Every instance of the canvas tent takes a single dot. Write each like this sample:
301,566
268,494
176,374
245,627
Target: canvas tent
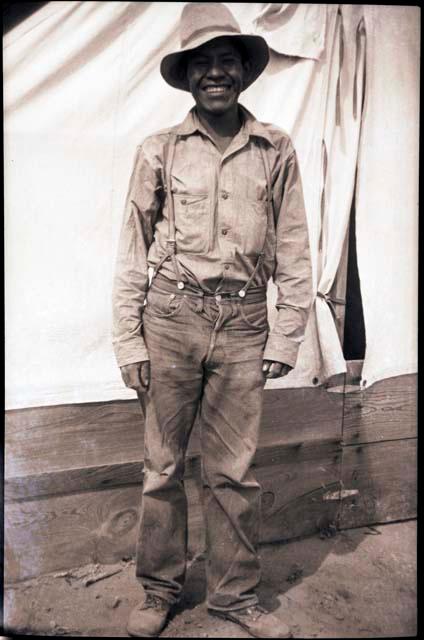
82,89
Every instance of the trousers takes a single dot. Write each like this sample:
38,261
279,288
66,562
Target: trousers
206,361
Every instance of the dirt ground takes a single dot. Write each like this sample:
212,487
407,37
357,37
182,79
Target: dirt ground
359,583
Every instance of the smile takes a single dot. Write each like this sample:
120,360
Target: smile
216,90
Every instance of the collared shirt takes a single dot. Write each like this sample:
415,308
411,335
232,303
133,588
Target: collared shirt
222,224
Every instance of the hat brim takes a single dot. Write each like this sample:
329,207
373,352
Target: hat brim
255,46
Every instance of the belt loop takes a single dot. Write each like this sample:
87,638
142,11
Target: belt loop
199,303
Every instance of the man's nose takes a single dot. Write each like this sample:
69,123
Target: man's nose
215,70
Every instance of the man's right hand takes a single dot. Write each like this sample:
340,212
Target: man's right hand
137,376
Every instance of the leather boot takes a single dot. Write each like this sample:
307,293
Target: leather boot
149,617
257,621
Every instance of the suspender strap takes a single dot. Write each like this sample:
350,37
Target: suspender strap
171,241
171,210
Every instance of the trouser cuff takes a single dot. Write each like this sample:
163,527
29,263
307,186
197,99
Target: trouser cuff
251,602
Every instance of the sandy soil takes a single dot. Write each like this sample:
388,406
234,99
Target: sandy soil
359,583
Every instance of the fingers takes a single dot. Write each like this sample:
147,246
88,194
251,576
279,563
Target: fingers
145,374
285,370
136,376
275,369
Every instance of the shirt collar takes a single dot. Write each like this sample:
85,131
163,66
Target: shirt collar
250,125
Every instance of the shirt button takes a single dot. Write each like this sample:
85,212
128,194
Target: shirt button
183,201
224,195
227,266
224,232
218,298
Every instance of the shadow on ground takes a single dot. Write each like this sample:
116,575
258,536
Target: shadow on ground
361,583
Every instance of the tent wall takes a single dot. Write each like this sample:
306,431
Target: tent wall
82,89
387,192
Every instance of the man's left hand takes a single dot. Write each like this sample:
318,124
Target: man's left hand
272,369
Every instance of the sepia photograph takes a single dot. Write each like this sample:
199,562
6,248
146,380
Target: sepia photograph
211,319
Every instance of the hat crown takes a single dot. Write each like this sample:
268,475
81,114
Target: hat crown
198,18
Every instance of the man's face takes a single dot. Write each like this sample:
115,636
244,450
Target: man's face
215,73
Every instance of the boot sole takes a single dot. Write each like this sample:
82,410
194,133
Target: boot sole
143,635
229,618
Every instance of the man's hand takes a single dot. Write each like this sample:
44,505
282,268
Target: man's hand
272,369
137,376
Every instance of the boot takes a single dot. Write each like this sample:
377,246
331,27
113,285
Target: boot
257,621
148,618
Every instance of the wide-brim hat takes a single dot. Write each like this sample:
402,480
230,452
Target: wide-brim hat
201,22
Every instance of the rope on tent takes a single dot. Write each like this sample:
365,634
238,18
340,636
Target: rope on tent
331,301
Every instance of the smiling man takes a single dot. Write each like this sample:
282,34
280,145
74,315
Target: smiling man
215,208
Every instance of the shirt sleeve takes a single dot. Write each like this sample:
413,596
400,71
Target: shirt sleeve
292,274
131,279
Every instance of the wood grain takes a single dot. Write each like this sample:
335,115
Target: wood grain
59,532
72,436
74,473
385,411
73,480
293,486
385,475
80,447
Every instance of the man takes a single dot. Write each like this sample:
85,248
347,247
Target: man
215,207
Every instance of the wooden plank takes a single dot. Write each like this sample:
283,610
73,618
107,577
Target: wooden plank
73,480
63,531
72,436
293,490
292,416
385,411
48,447
59,532
385,476
111,476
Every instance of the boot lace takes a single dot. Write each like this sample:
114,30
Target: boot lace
153,602
254,612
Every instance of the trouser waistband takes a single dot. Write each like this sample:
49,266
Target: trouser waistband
253,294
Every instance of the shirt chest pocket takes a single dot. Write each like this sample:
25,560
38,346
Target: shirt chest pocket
192,223
249,187
251,226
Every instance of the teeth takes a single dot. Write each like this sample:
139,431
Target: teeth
216,89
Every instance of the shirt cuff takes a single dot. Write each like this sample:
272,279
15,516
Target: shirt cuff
279,348
131,352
